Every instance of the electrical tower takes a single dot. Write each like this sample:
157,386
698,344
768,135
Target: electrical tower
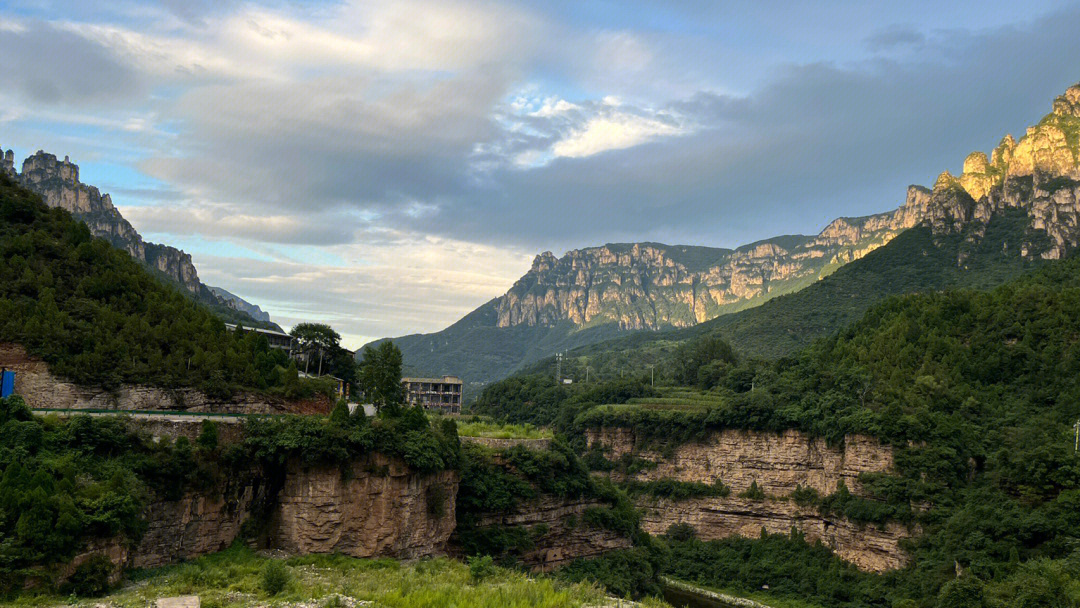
558,368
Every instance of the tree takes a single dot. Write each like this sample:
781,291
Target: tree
380,377
316,338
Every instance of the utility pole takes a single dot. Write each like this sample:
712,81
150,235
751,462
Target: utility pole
1077,427
652,375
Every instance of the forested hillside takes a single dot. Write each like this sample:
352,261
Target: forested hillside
978,391
100,318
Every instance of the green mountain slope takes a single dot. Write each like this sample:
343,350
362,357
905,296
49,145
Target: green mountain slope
98,317
915,261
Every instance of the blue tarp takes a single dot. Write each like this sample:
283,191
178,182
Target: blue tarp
7,384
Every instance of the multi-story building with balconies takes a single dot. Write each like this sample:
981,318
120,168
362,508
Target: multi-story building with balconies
438,394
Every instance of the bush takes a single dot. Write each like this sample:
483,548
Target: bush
275,577
481,567
91,578
753,492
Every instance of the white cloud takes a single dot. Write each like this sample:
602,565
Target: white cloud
614,132
395,280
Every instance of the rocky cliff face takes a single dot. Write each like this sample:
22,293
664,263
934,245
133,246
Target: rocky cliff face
379,508
57,182
237,303
590,295
778,464
870,548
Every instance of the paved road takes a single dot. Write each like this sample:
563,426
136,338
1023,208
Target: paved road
143,415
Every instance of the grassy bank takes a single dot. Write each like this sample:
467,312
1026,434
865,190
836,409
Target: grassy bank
237,578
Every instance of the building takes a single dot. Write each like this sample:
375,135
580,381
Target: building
276,339
439,394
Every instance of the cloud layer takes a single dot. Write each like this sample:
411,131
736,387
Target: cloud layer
389,165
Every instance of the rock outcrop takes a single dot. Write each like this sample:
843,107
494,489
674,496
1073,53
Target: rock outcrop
778,464
588,295
237,303
378,508
650,286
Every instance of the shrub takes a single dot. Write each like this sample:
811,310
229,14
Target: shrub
753,492
208,436
275,577
481,567
91,578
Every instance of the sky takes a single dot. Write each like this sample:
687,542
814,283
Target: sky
387,166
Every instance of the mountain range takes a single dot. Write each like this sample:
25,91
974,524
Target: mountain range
57,182
1003,213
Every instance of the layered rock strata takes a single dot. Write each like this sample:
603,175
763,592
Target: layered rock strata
650,286
778,463
378,507
869,547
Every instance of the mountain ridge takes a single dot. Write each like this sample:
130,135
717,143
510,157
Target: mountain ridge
623,287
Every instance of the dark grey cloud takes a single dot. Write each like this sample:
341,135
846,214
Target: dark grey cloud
48,64
815,142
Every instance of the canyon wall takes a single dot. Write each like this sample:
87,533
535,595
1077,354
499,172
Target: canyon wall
778,463
379,508
566,536
41,389
376,507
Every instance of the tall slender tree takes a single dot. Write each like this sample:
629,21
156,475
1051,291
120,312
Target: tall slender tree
380,377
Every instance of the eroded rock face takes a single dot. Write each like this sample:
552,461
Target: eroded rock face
196,524
41,389
379,507
778,463
867,546
566,537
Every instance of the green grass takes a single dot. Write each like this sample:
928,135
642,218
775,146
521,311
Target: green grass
477,426
232,579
